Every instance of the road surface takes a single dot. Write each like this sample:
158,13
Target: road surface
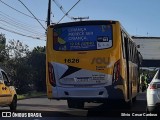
59,109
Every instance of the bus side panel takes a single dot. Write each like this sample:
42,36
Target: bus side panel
48,50
125,66
117,54
130,67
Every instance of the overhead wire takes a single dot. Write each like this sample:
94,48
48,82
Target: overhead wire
38,20
18,21
65,13
13,28
32,14
18,10
18,25
62,9
12,25
20,33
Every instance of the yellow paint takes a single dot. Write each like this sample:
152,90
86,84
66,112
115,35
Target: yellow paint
95,60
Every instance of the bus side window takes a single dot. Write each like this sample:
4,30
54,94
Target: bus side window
137,57
135,54
123,44
132,57
126,43
129,49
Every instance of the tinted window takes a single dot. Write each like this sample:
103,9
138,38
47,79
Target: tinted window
158,85
5,78
123,45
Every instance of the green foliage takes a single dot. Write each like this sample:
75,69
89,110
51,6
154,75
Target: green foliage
30,95
3,52
17,49
26,68
2,41
37,60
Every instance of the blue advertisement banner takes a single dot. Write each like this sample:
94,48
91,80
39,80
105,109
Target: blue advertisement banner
83,38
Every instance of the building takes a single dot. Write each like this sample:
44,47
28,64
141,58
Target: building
149,47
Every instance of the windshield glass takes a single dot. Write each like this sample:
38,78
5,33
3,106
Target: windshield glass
79,38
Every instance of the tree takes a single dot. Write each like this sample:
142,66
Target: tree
17,65
37,60
2,41
3,52
17,49
26,68
20,72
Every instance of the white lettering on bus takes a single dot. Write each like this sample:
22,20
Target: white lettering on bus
76,29
75,33
77,38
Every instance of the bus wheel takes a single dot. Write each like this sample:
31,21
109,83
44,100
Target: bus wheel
134,99
75,104
129,104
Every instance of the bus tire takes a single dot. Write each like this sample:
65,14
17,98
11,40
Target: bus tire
129,104
153,109
80,105
134,99
75,104
70,104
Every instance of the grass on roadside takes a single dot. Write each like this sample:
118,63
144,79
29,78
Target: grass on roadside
30,95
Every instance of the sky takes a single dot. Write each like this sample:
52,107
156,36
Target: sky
138,17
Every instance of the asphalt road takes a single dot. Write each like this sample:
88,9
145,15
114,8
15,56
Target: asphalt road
49,109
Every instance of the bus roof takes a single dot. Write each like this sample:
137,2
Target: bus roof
88,22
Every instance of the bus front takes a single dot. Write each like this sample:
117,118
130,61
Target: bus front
81,58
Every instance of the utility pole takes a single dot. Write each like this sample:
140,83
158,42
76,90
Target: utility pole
49,13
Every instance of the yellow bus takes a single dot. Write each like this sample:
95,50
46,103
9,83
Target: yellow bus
90,61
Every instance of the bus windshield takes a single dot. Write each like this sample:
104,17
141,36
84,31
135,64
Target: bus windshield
81,38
